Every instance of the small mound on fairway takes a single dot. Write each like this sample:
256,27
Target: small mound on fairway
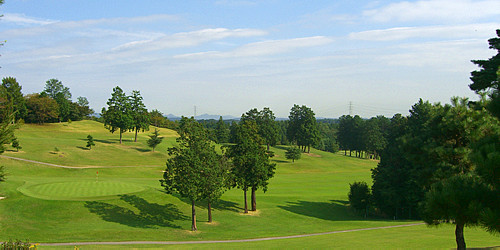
81,190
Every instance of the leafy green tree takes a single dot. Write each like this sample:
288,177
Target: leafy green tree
268,129
118,116
156,118
139,113
54,87
222,131
41,109
7,128
251,165
154,139
16,145
189,168
359,196
90,142
487,78
83,107
293,153
302,127
457,200
12,98
266,124
345,133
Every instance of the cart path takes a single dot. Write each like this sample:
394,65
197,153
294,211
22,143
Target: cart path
219,241
61,166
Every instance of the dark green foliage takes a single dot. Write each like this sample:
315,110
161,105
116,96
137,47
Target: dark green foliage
251,165
486,156
222,131
16,145
118,116
16,245
139,113
90,142
487,78
7,128
12,99
293,153
154,139
457,200
41,109
266,125
328,135
359,195
302,127
194,169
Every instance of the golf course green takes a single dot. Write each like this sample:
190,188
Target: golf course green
50,204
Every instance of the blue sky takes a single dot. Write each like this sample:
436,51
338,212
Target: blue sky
226,57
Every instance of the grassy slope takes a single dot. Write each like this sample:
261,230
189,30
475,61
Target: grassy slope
305,197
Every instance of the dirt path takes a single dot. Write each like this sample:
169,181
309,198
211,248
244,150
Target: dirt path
218,241
60,166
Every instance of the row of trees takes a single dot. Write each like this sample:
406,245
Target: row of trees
359,135
53,104
197,172
125,113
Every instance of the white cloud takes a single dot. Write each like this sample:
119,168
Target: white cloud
435,10
188,39
400,33
22,19
265,48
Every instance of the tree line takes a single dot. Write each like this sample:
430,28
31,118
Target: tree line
53,104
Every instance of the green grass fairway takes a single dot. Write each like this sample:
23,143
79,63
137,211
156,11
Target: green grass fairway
51,204
79,190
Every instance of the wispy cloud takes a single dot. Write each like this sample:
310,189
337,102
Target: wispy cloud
449,32
435,10
22,19
265,48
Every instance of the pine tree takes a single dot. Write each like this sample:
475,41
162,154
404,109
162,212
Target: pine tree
90,142
155,139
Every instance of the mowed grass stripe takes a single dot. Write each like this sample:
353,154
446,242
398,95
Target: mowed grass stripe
79,189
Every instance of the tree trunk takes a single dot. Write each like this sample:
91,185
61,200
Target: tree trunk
121,136
135,140
209,211
459,235
308,149
193,217
254,202
350,152
245,197
345,152
268,147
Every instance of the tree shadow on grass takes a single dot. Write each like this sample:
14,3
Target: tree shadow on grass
150,215
219,204
334,210
143,150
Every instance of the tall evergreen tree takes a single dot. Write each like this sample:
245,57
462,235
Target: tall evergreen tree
487,79
118,116
12,98
139,112
222,131
154,139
